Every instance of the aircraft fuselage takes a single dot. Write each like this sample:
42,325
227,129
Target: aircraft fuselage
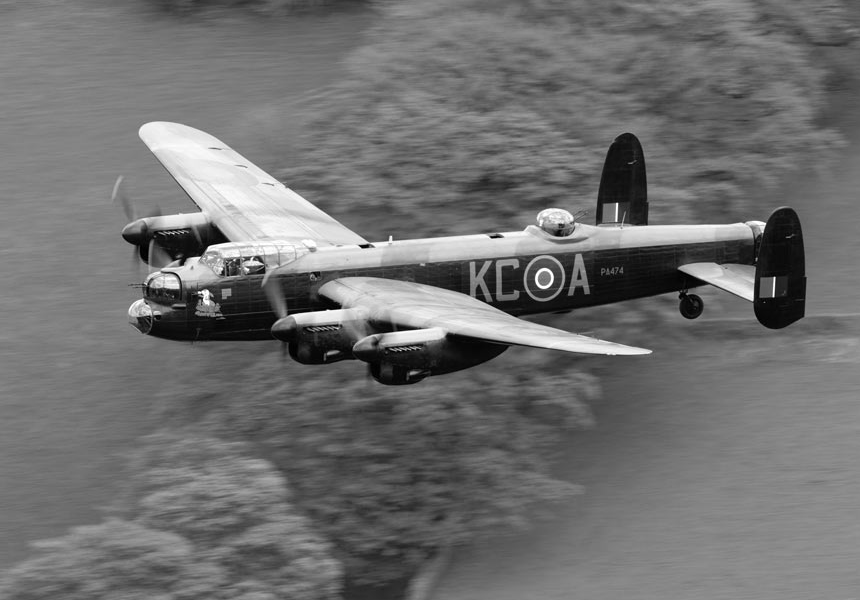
521,273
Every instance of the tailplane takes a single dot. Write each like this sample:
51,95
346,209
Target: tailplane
780,274
623,195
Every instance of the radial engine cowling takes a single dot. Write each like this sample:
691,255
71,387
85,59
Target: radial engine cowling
403,357
323,336
177,236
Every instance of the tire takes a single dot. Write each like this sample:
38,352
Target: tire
691,306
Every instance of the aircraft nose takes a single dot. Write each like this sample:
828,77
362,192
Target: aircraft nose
140,316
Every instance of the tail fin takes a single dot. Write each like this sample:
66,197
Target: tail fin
780,274
623,194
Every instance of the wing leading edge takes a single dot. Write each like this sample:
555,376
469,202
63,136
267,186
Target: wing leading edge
244,202
407,305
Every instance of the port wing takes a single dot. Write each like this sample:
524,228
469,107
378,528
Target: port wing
243,201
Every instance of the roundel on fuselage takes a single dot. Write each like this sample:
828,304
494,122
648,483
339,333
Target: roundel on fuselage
543,278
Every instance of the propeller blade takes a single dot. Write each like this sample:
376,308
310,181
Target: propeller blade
197,237
275,293
357,330
118,196
135,259
158,256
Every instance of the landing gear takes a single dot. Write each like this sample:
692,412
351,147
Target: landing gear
691,305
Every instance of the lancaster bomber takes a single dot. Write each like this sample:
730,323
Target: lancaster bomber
260,262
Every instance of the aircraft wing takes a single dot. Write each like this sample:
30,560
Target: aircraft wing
733,278
239,198
408,305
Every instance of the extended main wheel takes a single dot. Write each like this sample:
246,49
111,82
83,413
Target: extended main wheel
691,306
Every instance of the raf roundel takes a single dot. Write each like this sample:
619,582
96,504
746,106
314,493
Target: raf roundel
544,278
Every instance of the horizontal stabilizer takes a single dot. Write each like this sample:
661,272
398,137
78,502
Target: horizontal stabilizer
623,194
780,276
735,279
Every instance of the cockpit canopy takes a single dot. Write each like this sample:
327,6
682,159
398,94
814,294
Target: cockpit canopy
249,258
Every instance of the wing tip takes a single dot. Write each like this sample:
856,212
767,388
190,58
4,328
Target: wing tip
632,351
597,346
152,125
615,349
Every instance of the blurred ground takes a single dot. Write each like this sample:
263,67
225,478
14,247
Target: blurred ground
723,467
77,80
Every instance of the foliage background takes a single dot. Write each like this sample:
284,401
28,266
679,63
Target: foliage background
459,116
485,112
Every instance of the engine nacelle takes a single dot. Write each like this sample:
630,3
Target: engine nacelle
180,236
389,374
402,357
321,337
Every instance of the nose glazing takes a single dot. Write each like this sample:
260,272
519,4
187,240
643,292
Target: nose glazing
140,316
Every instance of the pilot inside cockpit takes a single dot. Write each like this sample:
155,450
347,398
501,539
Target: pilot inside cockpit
233,267
253,266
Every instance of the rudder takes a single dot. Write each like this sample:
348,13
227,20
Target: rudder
623,193
780,274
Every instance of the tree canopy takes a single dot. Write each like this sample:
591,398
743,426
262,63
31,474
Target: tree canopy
392,476
200,519
481,112
114,559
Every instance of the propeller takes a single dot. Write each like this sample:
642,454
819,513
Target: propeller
152,254
118,195
273,286
275,293
158,256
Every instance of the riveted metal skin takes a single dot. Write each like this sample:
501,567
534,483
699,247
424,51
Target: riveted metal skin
522,273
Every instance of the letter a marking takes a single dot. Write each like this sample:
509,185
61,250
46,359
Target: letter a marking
579,277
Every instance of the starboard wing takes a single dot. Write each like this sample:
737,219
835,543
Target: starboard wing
733,278
408,305
239,198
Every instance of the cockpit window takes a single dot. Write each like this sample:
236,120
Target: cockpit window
164,288
242,258
214,261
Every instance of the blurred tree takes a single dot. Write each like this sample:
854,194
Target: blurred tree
394,475
818,22
421,157
115,559
201,520
725,106
235,511
265,7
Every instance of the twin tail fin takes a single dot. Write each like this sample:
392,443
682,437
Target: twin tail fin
780,274
623,195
